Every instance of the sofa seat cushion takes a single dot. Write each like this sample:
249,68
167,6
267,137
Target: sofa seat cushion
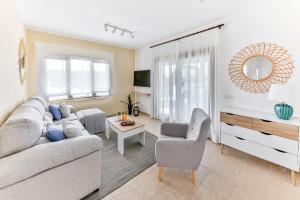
39,158
21,130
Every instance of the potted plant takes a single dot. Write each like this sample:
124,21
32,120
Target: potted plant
129,104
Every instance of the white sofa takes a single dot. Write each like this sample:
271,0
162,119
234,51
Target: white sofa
33,168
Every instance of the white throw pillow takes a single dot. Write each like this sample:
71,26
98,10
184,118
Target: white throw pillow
71,130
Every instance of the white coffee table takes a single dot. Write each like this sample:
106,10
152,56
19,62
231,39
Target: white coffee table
112,123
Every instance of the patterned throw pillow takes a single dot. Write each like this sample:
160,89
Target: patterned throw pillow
64,110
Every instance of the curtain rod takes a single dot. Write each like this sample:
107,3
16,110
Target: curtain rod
179,38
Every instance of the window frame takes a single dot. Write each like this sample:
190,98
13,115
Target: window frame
68,95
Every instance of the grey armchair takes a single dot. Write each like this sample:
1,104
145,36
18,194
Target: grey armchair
182,145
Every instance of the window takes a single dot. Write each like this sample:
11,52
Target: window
71,77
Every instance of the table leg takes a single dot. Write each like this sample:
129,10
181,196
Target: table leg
107,127
120,144
142,138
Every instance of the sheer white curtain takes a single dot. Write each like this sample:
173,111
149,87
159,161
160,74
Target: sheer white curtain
184,78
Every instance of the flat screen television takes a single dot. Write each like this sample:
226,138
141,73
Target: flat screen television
142,78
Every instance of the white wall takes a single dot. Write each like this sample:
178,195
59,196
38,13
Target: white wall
277,23
274,21
11,30
143,61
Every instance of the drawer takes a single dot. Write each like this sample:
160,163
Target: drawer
273,141
237,120
281,158
275,128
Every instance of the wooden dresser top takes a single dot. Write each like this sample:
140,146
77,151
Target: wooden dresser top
260,115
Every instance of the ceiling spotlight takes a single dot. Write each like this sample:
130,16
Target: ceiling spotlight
122,33
114,30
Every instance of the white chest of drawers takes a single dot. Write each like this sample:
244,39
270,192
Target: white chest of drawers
262,135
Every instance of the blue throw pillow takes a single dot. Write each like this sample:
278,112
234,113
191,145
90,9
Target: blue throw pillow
54,134
55,112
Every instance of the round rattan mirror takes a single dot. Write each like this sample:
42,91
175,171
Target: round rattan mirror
256,67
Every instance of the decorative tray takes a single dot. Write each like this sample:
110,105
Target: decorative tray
127,123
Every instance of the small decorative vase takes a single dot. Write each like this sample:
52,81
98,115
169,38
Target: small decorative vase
283,111
136,111
129,109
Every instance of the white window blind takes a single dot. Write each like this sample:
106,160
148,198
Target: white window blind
101,78
69,77
81,78
56,77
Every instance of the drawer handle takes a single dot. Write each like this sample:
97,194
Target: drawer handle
229,124
229,114
239,138
265,133
265,120
280,151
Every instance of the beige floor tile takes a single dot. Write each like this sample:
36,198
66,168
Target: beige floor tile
233,175
220,185
243,194
203,193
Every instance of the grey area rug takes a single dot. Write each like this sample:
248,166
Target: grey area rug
117,169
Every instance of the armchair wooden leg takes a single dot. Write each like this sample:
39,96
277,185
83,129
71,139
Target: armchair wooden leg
194,176
293,174
222,148
160,173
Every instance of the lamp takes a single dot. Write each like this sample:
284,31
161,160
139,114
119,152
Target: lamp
283,94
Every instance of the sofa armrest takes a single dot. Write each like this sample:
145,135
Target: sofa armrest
42,157
174,129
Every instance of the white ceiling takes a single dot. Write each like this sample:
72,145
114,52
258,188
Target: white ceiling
151,20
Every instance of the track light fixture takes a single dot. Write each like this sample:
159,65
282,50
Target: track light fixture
116,28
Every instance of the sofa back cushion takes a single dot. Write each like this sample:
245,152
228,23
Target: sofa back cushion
41,100
22,130
36,105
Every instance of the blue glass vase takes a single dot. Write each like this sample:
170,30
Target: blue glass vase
283,111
